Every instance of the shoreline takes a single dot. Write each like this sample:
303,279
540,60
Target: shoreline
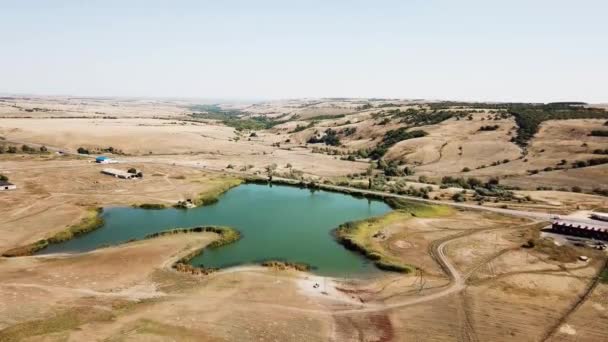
88,224
229,235
93,222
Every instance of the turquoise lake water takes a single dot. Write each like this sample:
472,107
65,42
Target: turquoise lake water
276,222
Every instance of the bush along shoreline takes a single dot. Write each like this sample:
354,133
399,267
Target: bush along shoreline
316,186
92,221
209,197
344,235
227,235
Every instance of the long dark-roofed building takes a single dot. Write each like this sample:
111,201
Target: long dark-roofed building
579,230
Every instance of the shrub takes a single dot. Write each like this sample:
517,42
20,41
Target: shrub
489,128
82,150
3,178
459,197
576,189
330,138
466,169
349,131
27,149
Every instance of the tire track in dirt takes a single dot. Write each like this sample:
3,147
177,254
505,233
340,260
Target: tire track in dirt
575,306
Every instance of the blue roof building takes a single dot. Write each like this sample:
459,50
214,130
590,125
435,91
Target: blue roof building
101,159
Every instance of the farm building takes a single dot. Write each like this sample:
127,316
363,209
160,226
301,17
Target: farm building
4,185
119,173
599,216
103,160
580,231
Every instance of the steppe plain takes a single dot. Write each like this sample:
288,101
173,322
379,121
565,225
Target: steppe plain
474,280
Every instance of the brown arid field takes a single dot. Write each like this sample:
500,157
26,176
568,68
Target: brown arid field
480,268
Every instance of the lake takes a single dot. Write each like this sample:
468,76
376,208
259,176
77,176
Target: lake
276,222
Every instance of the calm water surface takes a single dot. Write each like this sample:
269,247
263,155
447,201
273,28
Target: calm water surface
278,222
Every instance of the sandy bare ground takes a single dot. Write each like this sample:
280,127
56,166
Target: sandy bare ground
254,303
173,142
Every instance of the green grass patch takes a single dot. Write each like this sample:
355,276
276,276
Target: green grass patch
227,235
91,222
419,209
359,235
604,276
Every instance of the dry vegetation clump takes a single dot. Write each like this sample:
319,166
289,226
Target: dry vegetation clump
285,265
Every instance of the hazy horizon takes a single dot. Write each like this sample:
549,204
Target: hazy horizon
515,51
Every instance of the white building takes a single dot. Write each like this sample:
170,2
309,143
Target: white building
4,185
118,173
599,216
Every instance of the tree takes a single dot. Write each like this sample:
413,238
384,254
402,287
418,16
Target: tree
3,178
82,150
2,149
43,149
132,170
12,149
576,189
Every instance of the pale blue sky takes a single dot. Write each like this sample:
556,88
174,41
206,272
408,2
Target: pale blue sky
462,50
